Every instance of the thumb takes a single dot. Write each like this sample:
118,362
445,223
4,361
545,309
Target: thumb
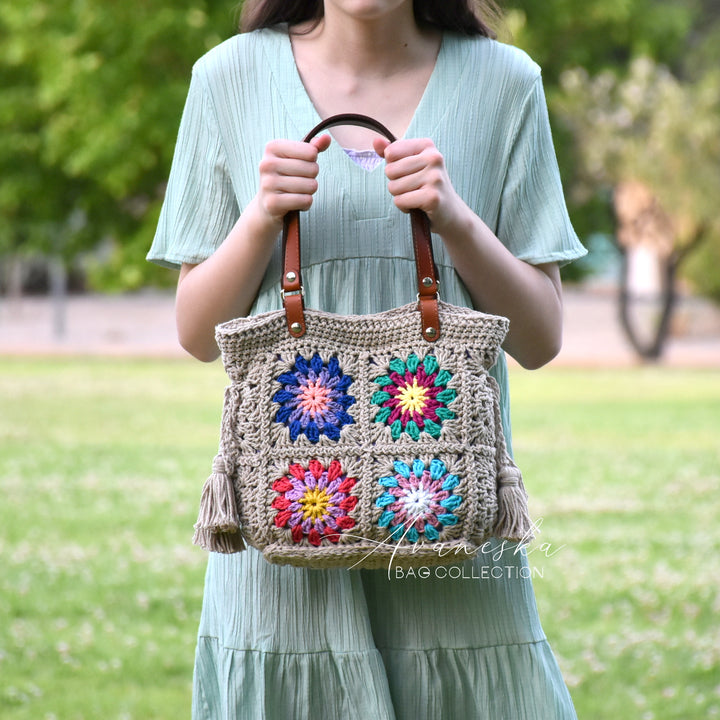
321,143
380,145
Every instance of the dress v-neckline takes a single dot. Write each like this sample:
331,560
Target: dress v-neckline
304,114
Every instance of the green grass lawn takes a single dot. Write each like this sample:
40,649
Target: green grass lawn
101,466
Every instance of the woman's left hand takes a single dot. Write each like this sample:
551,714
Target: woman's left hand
418,178
498,282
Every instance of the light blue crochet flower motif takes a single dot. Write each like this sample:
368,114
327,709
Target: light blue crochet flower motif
418,500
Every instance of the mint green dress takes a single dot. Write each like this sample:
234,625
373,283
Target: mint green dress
285,643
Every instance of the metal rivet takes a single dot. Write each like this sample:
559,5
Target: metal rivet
296,328
427,281
291,277
430,332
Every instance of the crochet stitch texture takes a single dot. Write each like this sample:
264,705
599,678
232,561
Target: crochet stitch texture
314,502
418,499
410,467
314,398
414,397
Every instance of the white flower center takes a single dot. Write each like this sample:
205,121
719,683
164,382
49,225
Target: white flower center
417,501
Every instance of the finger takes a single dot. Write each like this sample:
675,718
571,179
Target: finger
420,199
281,204
380,144
288,167
297,168
430,161
321,143
281,184
291,149
405,184
405,166
422,190
404,148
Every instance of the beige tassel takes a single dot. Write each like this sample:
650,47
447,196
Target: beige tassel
513,519
218,528
227,542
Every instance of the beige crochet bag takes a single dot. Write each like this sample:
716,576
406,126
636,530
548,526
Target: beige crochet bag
362,440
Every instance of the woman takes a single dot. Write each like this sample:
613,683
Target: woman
476,154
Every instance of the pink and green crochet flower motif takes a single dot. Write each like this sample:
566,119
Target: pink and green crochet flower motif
314,399
418,500
314,502
414,397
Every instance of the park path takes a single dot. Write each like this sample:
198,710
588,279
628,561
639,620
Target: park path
142,325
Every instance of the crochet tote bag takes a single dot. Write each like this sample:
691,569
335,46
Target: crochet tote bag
362,440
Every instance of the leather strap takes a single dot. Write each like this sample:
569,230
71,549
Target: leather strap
350,119
427,283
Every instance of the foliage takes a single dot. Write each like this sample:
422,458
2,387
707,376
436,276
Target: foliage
92,94
611,39
653,141
599,34
637,129
34,214
101,467
702,270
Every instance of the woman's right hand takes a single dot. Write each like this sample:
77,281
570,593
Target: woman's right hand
224,286
288,172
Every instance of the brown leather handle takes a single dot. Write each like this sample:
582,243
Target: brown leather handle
350,119
427,283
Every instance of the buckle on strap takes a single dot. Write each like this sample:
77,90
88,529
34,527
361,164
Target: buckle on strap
300,292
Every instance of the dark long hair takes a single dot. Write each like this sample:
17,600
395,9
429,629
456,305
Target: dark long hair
469,17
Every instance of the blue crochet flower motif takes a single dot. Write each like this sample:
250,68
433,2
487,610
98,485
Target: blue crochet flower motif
314,399
418,500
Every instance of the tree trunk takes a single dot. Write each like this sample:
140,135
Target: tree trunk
14,278
58,293
652,349
648,349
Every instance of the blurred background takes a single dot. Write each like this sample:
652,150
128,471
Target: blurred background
90,99
107,429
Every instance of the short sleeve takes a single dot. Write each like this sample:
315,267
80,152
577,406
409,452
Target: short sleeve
200,207
534,222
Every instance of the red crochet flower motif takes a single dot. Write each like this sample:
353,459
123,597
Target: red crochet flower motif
314,502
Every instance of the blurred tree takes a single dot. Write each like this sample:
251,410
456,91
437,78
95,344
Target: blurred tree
91,94
683,35
597,35
90,98
702,268
600,34
653,141
33,217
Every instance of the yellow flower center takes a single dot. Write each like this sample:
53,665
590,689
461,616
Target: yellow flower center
412,398
315,503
